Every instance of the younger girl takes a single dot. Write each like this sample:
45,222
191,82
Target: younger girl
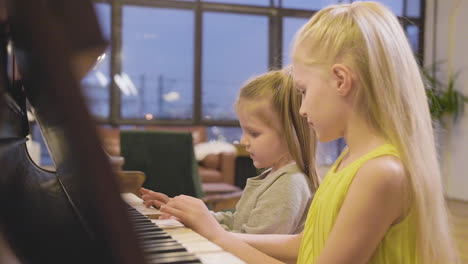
276,201
382,201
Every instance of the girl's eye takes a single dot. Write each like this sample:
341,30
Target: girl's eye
254,134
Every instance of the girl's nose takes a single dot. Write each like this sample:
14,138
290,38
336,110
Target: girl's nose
302,111
244,141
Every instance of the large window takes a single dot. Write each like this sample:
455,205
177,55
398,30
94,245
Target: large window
156,81
290,26
235,49
242,2
96,87
183,61
310,4
96,84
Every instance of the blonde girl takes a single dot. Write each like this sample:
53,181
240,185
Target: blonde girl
382,200
277,200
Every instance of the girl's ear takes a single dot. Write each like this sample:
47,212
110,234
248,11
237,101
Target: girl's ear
342,76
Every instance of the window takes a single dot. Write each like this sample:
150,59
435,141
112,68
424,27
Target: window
290,26
235,49
395,5
310,4
96,83
413,8
159,78
183,61
157,63
412,32
241,2
228,134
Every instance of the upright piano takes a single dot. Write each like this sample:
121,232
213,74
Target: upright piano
75,213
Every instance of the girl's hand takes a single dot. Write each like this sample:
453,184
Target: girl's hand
193,213
168,216
151,198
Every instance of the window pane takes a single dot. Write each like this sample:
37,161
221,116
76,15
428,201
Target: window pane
413,35
309,4
242,2
96,84
413,8
228,134
395,5
290,26
235,48
157,63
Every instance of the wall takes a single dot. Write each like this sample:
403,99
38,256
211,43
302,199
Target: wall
446,39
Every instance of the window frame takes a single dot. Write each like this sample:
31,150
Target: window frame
275,14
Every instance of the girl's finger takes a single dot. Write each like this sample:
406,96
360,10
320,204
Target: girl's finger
165,216
157,203
144,191
180,204
148,203
173,212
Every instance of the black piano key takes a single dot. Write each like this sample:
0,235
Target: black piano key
149,245
146,228
152,233
165,249
155,237
158,246
146,233
158,241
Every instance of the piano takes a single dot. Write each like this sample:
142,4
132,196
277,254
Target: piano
74,214
170,238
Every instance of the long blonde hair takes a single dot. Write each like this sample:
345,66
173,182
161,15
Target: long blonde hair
367,37
277,86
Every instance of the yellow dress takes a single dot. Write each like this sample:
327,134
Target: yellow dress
397,247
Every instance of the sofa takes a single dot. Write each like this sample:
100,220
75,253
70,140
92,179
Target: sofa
218,167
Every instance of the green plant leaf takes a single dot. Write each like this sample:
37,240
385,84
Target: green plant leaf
443,98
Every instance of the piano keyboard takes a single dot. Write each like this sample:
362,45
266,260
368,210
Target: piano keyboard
169,242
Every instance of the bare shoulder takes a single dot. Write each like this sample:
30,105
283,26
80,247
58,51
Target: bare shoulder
384,172
385,183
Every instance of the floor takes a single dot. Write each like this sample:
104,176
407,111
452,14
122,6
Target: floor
459,219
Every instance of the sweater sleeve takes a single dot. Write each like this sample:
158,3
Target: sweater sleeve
225,219
281,207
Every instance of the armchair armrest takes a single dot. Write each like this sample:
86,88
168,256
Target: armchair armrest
228,166
130,181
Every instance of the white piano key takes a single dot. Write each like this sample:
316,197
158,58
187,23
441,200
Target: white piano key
207,251
219,257
137,203
201,247
167,223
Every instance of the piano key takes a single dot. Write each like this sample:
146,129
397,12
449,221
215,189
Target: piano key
174,256
167,248
172,243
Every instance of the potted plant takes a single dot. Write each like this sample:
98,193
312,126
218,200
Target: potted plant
444,99
446,106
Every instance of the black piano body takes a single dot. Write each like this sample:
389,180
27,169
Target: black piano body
73,214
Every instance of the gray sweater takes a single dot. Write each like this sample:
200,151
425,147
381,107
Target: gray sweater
272,203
